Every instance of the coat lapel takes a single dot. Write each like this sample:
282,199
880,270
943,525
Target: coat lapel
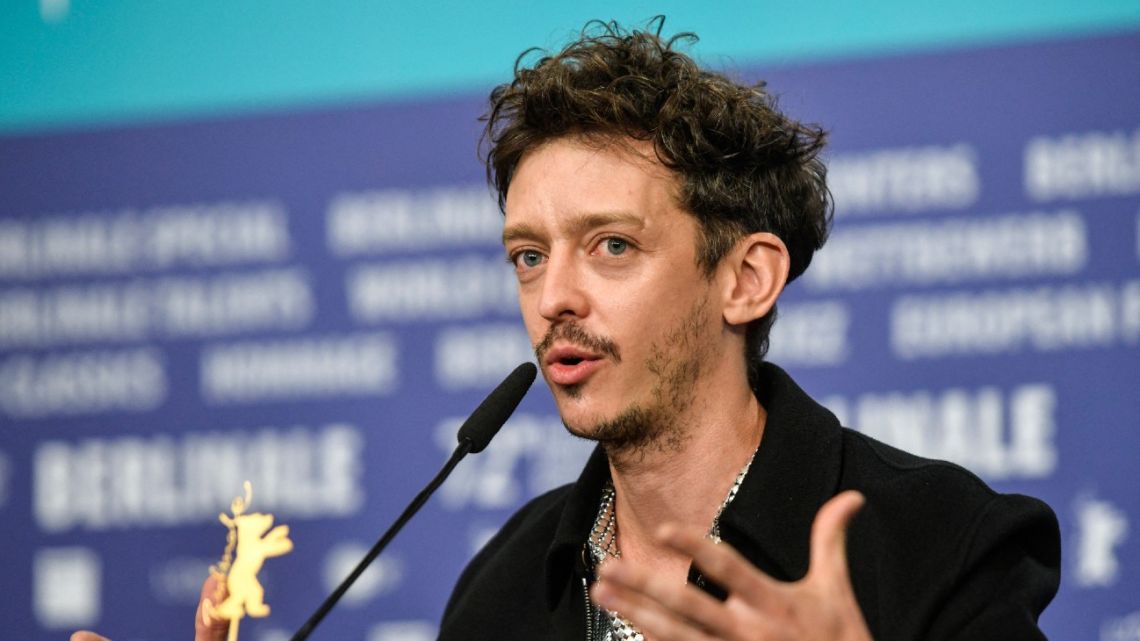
796,470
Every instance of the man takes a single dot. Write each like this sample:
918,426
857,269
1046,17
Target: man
653,214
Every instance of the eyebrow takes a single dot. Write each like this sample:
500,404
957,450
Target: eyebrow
574,226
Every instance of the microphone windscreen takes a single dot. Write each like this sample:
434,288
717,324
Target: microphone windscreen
485,421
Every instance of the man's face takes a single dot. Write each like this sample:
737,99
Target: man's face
623,320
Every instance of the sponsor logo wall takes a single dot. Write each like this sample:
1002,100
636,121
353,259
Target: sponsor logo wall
313,301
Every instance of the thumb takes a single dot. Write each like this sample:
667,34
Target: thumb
84,635
829,534
208,627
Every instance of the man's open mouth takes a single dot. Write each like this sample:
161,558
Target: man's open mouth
569,365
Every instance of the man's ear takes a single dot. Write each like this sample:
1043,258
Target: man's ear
756,272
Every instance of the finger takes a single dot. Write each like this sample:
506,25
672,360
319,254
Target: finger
685,602
650,616
207,627
829,534
719,562
85,635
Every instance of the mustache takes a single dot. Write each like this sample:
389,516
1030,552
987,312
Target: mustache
574,333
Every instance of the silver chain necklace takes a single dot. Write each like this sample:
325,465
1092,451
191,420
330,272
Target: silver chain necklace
603,544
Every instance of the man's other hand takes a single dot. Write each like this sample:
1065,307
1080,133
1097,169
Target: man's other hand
206,628
819,607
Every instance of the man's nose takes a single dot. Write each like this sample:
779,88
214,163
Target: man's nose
563,295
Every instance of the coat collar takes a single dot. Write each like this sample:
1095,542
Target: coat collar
795,471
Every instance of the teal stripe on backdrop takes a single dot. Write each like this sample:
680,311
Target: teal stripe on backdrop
82,62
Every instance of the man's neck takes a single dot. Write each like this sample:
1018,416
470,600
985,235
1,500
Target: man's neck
686,482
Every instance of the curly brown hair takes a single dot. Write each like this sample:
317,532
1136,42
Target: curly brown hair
744,167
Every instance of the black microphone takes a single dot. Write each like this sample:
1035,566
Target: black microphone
474,435
486,420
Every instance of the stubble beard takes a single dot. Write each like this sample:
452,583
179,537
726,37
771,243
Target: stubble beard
658,423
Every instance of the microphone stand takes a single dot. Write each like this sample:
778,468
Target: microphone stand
461,451
474,435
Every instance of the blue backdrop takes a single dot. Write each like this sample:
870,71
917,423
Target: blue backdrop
312,300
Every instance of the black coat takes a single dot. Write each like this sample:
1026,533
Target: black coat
934,554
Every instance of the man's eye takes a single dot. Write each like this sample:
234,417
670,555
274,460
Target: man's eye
528,259
616,246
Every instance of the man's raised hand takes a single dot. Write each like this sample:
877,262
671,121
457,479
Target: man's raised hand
819,607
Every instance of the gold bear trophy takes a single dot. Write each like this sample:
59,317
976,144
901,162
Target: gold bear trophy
249,542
